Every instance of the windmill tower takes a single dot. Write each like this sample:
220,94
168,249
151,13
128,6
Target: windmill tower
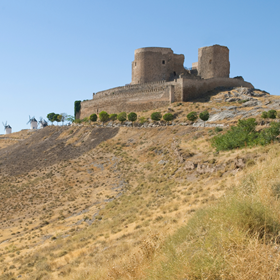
7,128
33,123
43,123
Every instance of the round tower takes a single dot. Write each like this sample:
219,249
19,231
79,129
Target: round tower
213,62
155,64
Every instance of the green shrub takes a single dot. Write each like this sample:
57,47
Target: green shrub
122,117
103,116
93,117
264,115
268,135
132,117
156,116
245,134
272,114
86,119
242,101
192,116
168,117
113,117
142,120
77,121
218,129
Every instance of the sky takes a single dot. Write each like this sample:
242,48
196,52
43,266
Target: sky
54,52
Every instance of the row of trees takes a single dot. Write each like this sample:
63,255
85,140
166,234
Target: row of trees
155,116
104,117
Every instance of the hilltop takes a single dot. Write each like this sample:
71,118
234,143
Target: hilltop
93,202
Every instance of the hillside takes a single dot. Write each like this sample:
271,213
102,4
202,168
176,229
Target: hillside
92,202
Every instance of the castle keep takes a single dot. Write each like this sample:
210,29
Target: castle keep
159,78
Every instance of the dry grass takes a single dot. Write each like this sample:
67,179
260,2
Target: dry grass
108,213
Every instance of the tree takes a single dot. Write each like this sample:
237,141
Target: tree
122,117
192,116
93,117
272,114
64,116
264,115
103,116
57,118
204,116
50,117
156,116
113,117
70,118
132,117
168,117
77,107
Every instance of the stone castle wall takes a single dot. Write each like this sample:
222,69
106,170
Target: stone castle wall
132,98
136,98
196,88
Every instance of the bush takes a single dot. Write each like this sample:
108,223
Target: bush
156,116
132,117
168,117
77,121
93,117
113,117
270,134
272,114
218,129
142,120
122,117
86,119
192,116
245,134
264,115
103,116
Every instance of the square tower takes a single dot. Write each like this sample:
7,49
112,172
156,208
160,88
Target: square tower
213,62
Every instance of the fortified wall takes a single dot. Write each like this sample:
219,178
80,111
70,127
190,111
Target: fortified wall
159,78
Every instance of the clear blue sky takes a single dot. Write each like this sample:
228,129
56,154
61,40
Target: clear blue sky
54,52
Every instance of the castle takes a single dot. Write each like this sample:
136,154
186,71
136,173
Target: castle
159,78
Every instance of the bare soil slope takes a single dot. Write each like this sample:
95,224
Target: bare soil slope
48,146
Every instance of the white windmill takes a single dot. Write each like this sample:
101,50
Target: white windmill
43,123
7,128
33,123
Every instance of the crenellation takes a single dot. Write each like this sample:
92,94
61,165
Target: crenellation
160,78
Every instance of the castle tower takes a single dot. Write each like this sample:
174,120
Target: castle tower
156,64
213,62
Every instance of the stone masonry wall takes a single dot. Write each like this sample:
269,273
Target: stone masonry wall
129,99
196,88
135,98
